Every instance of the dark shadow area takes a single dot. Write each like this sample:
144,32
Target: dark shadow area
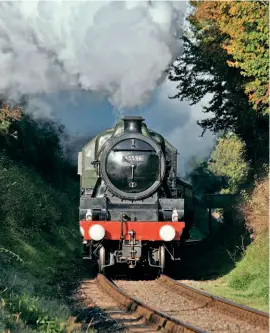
39,146
94,318
122,272
139,274
213,257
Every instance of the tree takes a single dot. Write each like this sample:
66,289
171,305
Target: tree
245,25
226,169
36,144
228,161
7,116
204,181
204,69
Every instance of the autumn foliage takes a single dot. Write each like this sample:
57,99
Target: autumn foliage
256,209
245,27
7,116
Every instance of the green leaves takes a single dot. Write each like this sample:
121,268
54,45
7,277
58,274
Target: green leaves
226,170
39,313
228,161
49,325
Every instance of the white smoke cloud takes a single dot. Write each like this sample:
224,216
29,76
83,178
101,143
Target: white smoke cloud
120,49
177,122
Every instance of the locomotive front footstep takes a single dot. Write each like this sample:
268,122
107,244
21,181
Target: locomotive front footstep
134,210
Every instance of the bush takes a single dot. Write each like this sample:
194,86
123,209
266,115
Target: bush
252,272
39,251
256,209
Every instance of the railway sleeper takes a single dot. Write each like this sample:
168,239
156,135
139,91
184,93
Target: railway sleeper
160,320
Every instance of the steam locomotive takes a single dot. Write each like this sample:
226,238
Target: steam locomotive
134,210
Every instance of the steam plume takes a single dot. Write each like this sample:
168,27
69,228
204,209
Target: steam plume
120,49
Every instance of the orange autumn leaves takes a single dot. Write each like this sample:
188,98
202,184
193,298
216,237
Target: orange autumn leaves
7,116
245,27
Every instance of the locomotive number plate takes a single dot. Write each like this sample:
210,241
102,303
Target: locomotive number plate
134,158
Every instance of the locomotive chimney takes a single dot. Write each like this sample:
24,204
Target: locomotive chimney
133,124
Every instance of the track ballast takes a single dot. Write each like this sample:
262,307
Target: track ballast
168,306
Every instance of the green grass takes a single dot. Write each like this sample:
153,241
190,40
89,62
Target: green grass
39,252
248,282
251,274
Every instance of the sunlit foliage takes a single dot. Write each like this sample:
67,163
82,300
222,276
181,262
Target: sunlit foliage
245,27
228,161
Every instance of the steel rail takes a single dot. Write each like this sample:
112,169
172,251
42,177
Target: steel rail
243,312
162,321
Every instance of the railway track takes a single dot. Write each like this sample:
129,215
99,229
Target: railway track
168,306
255,317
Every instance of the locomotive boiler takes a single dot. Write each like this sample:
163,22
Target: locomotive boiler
134,210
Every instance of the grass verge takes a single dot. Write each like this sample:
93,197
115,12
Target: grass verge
243,271
39,252
248,282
